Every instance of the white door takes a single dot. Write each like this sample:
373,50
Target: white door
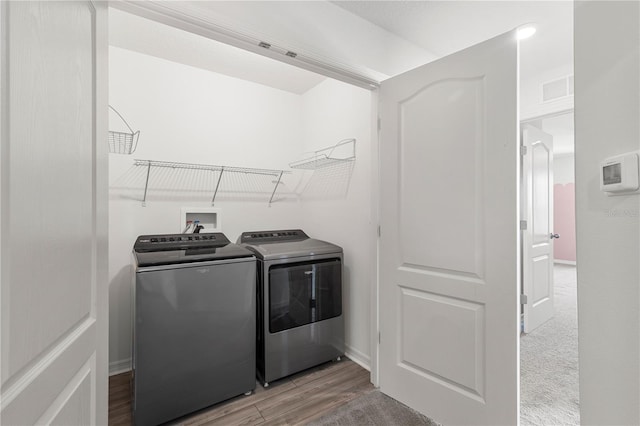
53,200
537,246
449,245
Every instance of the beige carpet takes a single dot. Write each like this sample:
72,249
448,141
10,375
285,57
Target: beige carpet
549,361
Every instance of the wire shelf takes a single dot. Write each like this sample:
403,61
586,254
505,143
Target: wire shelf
243,181
123,142
342,152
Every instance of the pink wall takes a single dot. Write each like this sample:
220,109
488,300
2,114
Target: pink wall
564,221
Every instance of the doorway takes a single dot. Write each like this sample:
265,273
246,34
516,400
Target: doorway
199,103
549,353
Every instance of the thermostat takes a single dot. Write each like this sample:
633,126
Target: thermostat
619,173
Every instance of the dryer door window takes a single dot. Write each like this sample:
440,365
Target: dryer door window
302,293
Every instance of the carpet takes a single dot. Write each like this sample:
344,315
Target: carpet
373,408
549,361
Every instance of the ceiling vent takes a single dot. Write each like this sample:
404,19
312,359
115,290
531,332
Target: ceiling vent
557,89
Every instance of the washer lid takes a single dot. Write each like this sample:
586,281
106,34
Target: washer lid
168,249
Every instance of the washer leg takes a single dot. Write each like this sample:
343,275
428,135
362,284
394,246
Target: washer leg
338,359
266,385
248,393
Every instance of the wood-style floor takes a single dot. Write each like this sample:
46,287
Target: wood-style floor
294,400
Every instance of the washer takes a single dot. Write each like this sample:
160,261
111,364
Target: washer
299,317
194,324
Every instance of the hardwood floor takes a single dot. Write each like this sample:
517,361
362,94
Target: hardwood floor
294,400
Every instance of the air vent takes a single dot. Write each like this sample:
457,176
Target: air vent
557,89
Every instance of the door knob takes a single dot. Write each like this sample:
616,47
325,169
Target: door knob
552,236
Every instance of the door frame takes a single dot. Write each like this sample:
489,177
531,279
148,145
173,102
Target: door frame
553,114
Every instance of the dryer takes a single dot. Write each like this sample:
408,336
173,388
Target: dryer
299,301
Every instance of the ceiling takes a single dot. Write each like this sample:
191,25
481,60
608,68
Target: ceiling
439,27
142,35
444,27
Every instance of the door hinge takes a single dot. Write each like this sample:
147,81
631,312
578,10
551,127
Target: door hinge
523,299
523,150
378,230
379,124
523,225
378,337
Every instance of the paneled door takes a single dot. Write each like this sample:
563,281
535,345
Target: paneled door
53,201
449,245
538,235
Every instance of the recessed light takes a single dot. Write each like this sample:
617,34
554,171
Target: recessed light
526,32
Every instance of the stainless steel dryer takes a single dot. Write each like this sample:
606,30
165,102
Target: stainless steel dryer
194,324
299,300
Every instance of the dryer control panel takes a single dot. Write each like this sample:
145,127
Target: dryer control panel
280,236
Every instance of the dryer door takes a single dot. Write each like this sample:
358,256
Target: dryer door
302,293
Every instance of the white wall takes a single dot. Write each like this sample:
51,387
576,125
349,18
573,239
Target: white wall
333,111
607,107
563,169
190,115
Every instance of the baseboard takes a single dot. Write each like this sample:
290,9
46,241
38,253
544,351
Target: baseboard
565,262
124,365
117,367
358,357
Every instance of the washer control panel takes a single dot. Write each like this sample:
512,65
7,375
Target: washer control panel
179,241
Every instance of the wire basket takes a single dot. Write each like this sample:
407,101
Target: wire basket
123,142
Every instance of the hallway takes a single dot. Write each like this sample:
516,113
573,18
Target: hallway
549,361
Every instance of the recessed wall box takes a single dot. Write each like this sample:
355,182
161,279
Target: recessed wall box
207,217
620,173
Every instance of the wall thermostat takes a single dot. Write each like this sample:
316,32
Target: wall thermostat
619,173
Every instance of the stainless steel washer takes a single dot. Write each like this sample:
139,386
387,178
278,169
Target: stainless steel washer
194,324
299,317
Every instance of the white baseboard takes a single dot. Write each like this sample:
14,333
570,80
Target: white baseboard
124,365
117,367
358,357
564,262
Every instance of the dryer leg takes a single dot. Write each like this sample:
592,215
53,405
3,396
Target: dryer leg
266,385
338,359
248,393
